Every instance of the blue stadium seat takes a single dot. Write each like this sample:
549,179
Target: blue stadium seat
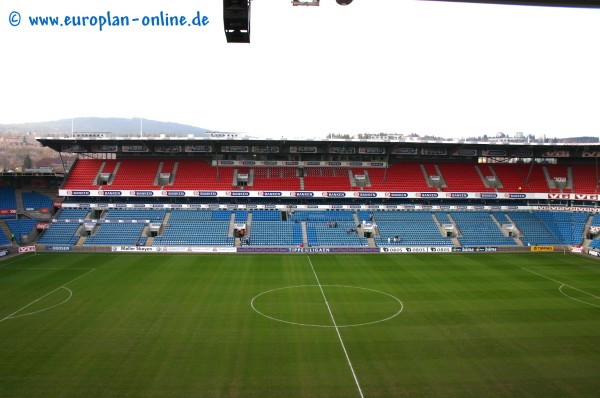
36,201
20,227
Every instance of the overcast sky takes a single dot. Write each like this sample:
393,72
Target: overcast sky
396,66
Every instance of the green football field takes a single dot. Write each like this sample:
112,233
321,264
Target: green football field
454,325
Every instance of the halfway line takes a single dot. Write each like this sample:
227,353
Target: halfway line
336,329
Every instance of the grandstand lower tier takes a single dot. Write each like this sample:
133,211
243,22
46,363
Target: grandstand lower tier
292,228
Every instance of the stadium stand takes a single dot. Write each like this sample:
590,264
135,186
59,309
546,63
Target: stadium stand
8,202
83,174
409,204
195,233
240,216
197,174
72,214
442,217
63,230
326,178
403,177
196,227
115,234
462,177
479,229
501,217
135,174
61,233
266,215
322,216
595,222
413,228
488,173
558,171
585,179
4,240
567,227
274,232
36,201
342,233
21,227
153,215
511,177
431,170
534,231
167,166
272,178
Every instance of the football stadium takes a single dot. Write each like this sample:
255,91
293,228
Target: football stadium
230,266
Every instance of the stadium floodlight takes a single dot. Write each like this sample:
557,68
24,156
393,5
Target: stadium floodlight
305,2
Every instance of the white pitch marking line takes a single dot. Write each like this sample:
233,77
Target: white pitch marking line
45,295
336,329
326,326
560,289
560,283
49,308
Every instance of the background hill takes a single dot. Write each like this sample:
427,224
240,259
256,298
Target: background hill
116,126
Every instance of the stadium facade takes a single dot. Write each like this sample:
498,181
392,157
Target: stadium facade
226,193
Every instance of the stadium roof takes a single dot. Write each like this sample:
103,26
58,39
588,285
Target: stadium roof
222,143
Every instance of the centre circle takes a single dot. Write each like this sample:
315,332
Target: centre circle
346,306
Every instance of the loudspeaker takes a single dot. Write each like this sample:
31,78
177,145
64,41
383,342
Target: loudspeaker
236,20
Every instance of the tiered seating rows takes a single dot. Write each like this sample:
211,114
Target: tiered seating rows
585,179
60,233
129,214
462,177
70,214
332,215
135,174
7,201
404,177
567,227
194,174
413,229
206,227
326,178
557,170
195,233
36,201
479,229
275,233
4,241
83,173
20,227
116,234
200,215
534,231
340,234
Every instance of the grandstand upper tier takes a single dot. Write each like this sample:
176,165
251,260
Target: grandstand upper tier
228,165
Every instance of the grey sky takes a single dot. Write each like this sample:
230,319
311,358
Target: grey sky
397,66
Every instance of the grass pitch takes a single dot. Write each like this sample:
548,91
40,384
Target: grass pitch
455,325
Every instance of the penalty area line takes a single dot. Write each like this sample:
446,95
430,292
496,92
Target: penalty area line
561,283
336,329
63,286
